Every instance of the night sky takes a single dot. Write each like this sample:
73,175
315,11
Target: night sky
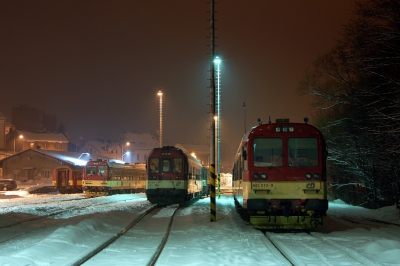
98,65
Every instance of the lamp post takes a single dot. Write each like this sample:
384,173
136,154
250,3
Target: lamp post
161,128
217,61
83,154
20,136
126,149
122,159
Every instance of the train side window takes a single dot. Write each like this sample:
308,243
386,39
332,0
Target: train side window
268,152
116,174
165,165
244,152
154,162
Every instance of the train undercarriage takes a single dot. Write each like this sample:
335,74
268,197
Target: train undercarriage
268,216
170,196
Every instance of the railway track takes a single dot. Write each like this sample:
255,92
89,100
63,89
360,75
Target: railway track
308,249
29,225
53,210
314,248
125,242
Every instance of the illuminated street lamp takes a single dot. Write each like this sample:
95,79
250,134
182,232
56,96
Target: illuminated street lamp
160,94
217,61
127,144
122,159
20,136
83,154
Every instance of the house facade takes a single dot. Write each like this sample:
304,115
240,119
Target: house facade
37,165
19,140
137,146
104,148
32,165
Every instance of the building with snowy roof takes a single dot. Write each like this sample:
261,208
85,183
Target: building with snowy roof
19,140
137,146
37,164
104,148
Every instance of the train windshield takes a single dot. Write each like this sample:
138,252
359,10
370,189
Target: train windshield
90,170
168,165
154,163
102,170
268,152
303,152
177,165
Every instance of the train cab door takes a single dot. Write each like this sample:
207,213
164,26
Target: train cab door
62,178
166,166
75,179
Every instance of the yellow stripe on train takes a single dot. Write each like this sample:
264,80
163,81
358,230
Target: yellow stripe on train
284,189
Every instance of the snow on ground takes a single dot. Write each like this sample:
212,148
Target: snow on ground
194,240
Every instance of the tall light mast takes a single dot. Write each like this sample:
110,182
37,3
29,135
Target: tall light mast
213,216
217,61
161,122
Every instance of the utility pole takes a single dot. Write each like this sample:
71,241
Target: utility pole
213,215
244,107
161,122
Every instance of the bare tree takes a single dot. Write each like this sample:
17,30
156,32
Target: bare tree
357,95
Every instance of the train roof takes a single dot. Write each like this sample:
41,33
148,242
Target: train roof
114,164
183,152
283,122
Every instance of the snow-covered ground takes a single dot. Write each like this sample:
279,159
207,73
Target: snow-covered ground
194,240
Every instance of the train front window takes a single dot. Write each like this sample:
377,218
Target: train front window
102,170
177,165
302,152
267,152
90,170
154,163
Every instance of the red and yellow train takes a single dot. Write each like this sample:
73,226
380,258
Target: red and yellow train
67,178
102,178
279,176
174,177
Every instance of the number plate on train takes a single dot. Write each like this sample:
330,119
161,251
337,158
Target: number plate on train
261,185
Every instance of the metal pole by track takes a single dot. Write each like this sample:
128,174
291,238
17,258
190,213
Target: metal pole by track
213,215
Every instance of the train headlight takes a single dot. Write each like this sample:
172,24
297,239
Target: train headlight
316,176
178,177
256,176
264,176
309,175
